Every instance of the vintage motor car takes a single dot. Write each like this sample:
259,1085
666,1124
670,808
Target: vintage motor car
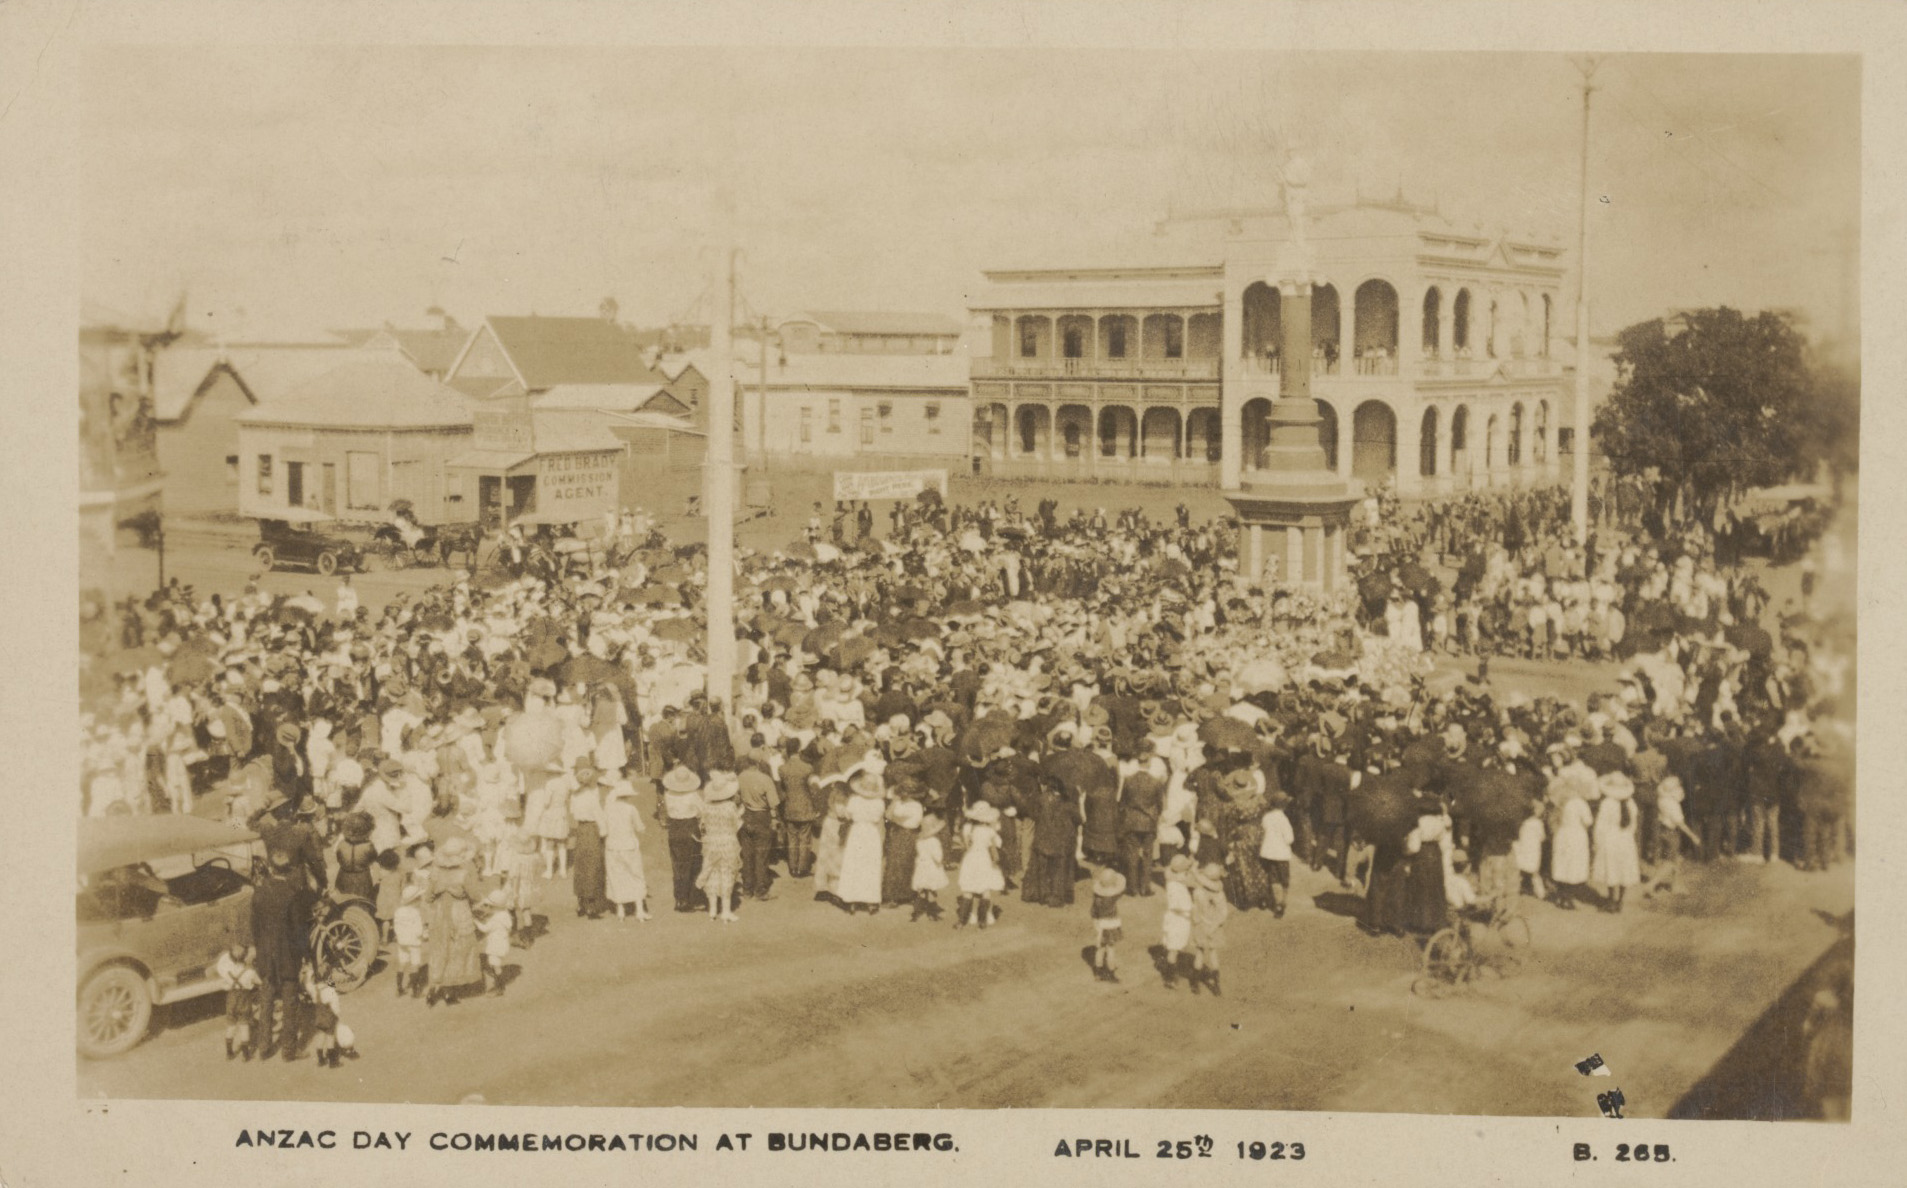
159,899
293,538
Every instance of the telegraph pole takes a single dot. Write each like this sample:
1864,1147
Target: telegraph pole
718,479
1579,457
759,444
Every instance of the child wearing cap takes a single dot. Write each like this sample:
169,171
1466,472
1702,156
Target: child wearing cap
407,929
494,926
930,869
1108,886
240,979
1209,911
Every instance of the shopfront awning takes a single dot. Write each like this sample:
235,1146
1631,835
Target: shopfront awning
493,461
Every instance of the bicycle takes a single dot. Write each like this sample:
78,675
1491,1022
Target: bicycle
1492,942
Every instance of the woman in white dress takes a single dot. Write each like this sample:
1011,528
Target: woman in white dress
860,884
627,883
1616,865
980,874
1569,845
1413,627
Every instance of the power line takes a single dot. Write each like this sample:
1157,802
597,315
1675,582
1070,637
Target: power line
1677,120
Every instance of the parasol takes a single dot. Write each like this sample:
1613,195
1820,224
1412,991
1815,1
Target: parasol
822,639
1264,675
780,581
1750,638
1489,797
1383,808
791,634
654,595
918,629
987,735
851,652
677,630
1227,734
189,666
966,610
532,741
587,670
671,575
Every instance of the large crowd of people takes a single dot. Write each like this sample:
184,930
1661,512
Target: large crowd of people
985,702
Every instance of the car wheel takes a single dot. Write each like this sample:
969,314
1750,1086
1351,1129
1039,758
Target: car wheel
346,946
424,555
264,556
114,1012
327,563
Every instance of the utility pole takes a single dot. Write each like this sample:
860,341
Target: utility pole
1579,457
718,475
759,444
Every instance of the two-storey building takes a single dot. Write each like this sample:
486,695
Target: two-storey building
1432,360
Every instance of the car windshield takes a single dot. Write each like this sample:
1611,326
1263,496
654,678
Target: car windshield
141,889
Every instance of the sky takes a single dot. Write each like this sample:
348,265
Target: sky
290,189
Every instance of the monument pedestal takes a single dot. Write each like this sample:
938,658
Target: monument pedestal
1294,536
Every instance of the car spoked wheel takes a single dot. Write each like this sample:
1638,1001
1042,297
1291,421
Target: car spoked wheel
114,1011
346,947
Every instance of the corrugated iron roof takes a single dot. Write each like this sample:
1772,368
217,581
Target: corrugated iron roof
614,397
880,322
570,431
1099,294
552,351
886,372
267,372
380,392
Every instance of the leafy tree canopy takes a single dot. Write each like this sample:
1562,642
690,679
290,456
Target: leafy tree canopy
1712,402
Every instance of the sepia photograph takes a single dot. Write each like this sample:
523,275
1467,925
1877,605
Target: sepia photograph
967,578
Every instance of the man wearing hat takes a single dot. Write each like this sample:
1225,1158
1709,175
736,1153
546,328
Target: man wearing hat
281,928
682,810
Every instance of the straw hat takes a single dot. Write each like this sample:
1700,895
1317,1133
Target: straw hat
1108,883
982,812
455,851
1211,876
681,779
908,814
722,786
1180,866
1615,786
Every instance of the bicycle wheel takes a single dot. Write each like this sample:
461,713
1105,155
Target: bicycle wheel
1447,956
1515,931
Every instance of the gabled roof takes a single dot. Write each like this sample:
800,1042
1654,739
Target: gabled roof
267,371
880,322
614,397
568,431
551,351
380,392
485,387
645,419
676,366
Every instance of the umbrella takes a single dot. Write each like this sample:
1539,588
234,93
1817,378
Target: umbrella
189,666
677,630
1265,675
780,581
1227,734
822,639
532,741
791,634
546,654
966,610
587,670
1490,797
1383,807
670,574
826,552
1750,638
802,550
916,629
654,596
850,653
987,735
888,635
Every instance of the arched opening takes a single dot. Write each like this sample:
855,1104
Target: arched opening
1164,336
1460,440
1035,430
1263,329
1204,336
1328,433
1324,330
993,422
1460,325
1118,337
1433,322
1515,450
1034,335
1520,330
1490,326
1492,439
1542,429
1118,432
1373,442
1254,432
1075,337
1159,434
1427,445
1549,313
1075,425
1375,326
1203,431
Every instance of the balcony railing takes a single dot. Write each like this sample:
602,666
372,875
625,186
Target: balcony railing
1141,369
1377,365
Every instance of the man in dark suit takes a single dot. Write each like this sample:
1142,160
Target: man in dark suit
281,931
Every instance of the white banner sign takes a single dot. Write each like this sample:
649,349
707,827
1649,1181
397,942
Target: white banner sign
851,485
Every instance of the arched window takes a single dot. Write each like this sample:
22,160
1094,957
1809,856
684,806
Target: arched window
1433,313
1460,322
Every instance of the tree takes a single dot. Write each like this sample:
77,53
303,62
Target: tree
1712,403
